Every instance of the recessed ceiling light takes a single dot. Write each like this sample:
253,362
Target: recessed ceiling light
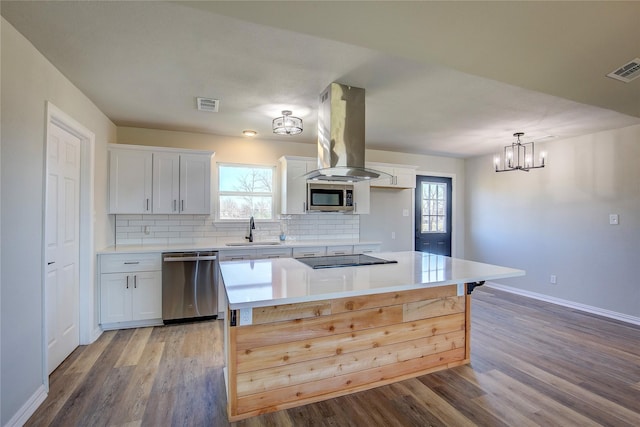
249,132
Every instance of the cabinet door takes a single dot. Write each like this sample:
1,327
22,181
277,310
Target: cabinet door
405,178
146,298
115,297
384,180
130,181
166,183
195,184
294,187
361,197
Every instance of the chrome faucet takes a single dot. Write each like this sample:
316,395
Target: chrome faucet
252,226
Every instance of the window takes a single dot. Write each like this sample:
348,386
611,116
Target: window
434,202
245,191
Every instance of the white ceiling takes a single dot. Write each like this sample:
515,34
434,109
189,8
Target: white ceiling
449,78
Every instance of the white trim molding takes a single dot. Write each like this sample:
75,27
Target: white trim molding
566,303
87,302
24,413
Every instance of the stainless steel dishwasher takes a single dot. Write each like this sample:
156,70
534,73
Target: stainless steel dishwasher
189,286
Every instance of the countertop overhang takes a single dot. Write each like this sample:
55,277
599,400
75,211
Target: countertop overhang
267,282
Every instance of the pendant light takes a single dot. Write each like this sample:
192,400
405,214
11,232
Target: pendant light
287,124
519,156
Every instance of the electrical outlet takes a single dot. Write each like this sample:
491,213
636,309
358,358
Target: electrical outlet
393,234
553,279
405,212
246,316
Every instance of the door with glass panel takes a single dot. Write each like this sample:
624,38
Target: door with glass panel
433,215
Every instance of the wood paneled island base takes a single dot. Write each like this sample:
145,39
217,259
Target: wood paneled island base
295,354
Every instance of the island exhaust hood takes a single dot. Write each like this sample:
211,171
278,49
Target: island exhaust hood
341,128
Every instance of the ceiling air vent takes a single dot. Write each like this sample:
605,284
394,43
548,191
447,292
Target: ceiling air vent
627,72
208,104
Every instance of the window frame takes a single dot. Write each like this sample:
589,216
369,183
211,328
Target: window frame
273,194
444,201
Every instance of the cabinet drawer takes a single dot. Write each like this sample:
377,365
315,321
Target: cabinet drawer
310,251
237,255
364,249
340,250
124,263
274,253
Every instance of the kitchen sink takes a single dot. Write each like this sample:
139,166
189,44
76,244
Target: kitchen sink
252,243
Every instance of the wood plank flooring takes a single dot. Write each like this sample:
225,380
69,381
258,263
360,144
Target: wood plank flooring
533,364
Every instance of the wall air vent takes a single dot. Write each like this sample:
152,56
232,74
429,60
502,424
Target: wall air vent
627,72
208,104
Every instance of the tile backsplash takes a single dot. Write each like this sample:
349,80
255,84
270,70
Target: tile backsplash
170,229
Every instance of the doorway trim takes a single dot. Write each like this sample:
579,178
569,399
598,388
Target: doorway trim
86,301
454,207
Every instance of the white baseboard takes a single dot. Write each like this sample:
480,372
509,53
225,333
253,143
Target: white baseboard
566,303
20,418
96,334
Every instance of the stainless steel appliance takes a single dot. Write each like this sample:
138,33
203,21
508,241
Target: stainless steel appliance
189,286
350,260
329,197
341,136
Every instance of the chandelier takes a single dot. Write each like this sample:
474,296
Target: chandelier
287,124
518,156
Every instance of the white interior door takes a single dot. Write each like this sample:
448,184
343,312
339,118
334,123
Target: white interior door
62,252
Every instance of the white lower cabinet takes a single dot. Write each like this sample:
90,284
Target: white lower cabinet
340,250
130,297
237,255
274,253
366,248
309,251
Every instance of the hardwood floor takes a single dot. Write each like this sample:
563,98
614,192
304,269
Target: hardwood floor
533,364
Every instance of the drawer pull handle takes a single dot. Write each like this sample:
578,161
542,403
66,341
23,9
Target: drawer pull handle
127,282
131,262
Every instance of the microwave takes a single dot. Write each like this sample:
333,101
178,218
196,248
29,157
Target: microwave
329,197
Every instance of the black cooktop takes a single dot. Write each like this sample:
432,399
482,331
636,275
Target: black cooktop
343,261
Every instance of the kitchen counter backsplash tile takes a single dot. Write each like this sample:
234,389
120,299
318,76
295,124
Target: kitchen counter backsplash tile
172,229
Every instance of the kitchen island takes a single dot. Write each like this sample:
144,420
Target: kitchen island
296,335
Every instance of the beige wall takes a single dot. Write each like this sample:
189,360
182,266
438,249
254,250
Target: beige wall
28,81
227,149
556,220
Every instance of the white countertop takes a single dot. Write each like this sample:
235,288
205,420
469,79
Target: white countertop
260,283
222,246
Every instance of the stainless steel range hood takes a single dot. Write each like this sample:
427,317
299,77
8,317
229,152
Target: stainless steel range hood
341,126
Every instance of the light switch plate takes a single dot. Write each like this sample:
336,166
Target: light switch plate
613,219
405,212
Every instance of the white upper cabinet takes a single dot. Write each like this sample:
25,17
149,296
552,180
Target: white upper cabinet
293,190
130,180
195,184
401,176
166,183
361,197
159,181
